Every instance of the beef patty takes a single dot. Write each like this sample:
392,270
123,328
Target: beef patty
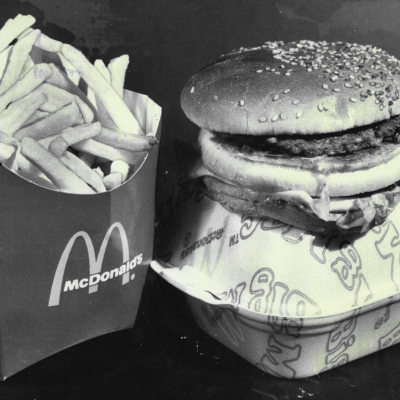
330,144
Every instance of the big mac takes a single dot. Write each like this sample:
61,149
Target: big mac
303,132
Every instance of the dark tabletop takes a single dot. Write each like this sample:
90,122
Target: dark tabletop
165,356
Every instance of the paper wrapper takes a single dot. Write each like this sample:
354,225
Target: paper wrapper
292,303
72,267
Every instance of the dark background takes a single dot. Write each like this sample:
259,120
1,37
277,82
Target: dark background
165,356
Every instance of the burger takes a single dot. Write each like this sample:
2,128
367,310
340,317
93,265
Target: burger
303,132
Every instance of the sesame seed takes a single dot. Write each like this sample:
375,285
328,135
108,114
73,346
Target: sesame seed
241,102
309,69
299,114
276,97
192,89
267,68
283,116
271,140
296,101
351,76
259,71
262,119
325,107
275,118
286,91
348,85
336,90
320,107
287,74
353,100
325,86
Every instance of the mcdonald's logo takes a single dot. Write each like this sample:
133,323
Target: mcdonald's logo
95,265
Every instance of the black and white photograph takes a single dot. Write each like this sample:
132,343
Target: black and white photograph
199,199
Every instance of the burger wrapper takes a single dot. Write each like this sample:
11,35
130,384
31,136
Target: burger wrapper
72,267
292,303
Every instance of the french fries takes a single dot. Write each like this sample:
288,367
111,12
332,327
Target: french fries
6,151
18,57
115,106
101,67
82,170
26,84
112,181
58,98
50,125
71,136
120,167
4,59
125,141
61,176
117,67
106,152
78,139
13,28
12,118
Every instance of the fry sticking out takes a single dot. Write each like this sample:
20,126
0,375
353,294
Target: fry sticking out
105,151
126,141
101,67
117,67
74,135
116,107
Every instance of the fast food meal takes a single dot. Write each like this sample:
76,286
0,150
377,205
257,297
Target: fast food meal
303,132
64,123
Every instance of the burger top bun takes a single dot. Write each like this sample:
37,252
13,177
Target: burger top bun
300,87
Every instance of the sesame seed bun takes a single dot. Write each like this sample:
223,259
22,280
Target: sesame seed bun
295,88
337,103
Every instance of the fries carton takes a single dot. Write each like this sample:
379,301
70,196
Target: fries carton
292,303
72,266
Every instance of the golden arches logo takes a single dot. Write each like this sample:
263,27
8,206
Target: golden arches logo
95,264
